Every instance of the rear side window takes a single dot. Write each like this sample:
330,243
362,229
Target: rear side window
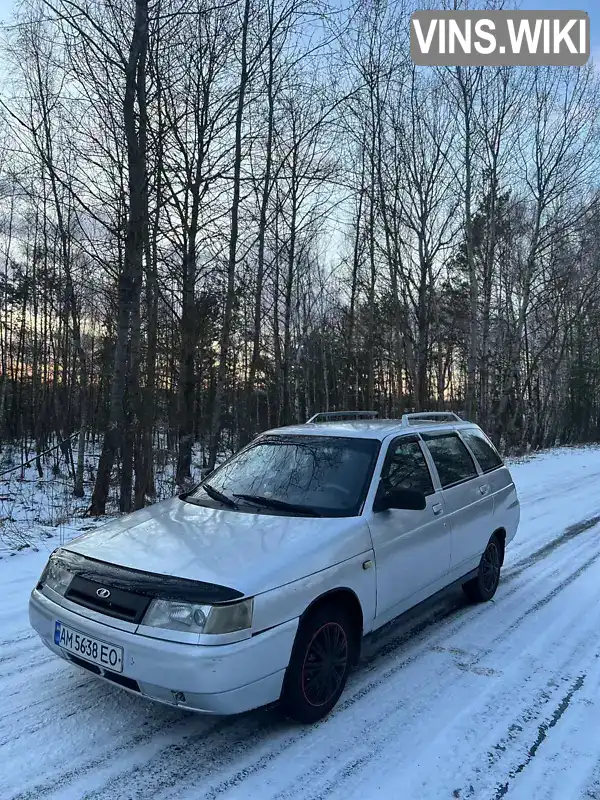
484,453
451,458
406,467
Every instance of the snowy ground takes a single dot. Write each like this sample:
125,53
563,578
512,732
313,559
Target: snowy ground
493,701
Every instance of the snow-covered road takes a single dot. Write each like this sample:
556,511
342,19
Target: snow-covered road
494,701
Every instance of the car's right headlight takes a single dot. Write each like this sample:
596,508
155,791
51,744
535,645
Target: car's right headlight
176,615
56,576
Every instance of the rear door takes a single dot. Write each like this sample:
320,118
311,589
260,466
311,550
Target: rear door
498,482
468,500
412,548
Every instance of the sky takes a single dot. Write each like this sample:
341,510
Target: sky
591,6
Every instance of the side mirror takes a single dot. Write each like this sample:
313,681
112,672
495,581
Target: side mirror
404,499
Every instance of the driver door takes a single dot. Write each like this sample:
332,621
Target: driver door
412,548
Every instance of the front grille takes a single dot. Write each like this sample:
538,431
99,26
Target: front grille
120,603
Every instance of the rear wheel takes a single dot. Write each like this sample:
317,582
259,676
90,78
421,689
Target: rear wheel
318,670
483,586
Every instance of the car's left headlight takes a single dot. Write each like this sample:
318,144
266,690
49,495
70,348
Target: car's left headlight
195,618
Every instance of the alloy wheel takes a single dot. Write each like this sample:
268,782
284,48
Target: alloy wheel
324,664
490,567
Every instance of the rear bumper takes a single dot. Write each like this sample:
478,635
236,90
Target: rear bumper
220,679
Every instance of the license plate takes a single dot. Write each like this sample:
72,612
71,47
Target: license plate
88,648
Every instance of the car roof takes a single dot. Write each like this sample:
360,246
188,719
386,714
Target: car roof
367,429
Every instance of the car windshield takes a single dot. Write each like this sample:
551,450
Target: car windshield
315,475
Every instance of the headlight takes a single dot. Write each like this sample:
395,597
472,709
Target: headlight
194,618
56,576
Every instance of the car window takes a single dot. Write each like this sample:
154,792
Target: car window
451,458
406,467
484,453
330,474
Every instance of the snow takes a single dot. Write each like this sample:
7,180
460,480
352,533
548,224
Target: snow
453,701
34,509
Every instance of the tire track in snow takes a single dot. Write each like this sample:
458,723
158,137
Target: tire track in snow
543,552
542,733
591,791
557,590
561,647
516,733
76,696
17,648
47,788
170,767
575,481
32,662
22,637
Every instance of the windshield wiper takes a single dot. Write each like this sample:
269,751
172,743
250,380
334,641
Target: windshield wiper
215,494
270,502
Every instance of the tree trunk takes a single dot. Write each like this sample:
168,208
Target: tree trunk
217,415
129,286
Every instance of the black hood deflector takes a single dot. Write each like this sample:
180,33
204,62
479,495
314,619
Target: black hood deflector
146,584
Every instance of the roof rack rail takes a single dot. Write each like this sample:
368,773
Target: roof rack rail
431,416
326,416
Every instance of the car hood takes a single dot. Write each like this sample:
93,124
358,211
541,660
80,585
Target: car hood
249,552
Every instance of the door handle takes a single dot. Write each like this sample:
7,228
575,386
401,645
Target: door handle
437,508
484,489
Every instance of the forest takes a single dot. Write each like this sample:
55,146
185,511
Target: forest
218,217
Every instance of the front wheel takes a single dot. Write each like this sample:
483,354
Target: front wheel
483,586
319,666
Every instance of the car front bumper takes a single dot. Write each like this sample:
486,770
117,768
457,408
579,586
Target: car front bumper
218,679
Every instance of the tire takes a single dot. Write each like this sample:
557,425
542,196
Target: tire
483,587
311,688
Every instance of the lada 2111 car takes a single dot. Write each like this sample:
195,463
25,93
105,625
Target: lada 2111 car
259,584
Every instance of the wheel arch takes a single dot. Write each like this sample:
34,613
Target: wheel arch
500,534
349,600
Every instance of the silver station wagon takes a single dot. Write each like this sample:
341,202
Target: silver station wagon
259,584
